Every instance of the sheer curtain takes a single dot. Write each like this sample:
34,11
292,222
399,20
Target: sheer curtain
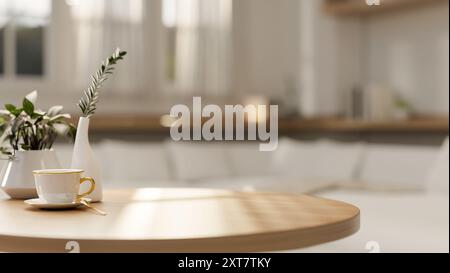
203,45
99,26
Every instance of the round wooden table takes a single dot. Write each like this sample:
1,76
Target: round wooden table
179,220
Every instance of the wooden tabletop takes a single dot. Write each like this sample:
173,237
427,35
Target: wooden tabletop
180,220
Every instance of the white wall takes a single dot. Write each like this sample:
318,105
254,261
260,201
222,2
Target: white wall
265,44
330,54
276,41
409,51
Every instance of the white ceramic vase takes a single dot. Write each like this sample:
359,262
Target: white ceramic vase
16,176
83,158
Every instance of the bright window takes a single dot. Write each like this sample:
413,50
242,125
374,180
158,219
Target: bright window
197,45
22,36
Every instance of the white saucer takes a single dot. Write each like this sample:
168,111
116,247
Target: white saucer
41,204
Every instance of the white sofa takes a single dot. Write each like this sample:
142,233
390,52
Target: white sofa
295,166
402,191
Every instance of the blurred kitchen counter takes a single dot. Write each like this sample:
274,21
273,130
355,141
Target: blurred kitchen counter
154,123
424,124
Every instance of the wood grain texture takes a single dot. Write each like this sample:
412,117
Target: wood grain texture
180,220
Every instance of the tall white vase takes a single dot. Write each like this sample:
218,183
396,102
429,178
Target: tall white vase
83,158
16,176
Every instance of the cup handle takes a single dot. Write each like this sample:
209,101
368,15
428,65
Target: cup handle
92,181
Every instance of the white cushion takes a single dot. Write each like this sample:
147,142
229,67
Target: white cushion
302,161
438,178
193,161
395,167
296,158
324,160
133,161
338,161
246,160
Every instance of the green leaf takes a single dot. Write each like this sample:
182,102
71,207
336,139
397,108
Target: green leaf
28,106
26,147
18,112
11,108
88,103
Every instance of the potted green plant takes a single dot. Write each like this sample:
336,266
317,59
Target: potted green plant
402,108
27,138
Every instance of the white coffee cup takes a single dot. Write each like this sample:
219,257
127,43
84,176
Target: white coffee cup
61,186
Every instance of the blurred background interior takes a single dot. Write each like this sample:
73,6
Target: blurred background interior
323,60
373,81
